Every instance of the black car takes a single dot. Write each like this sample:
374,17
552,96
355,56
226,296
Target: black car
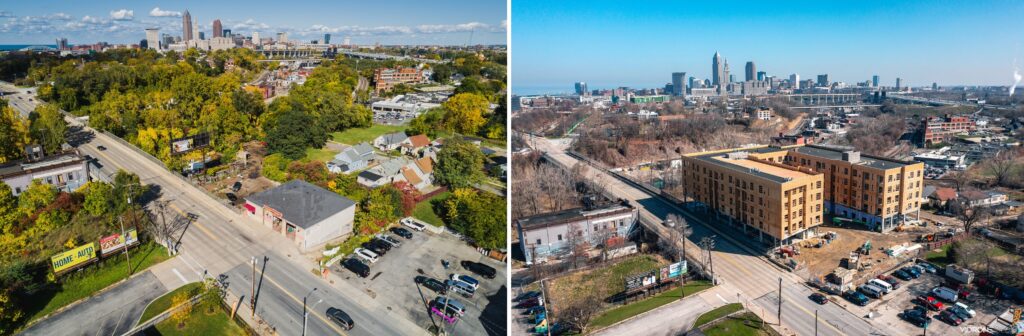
433,284
356,266
903,275
382,244
375,248
232,197
527,295
102,148
237,186
478,268
819,298
401,231
916,317
339,317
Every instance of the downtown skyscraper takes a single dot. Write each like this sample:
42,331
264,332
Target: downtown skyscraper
751,71
218,30
678,83
719,73
186,26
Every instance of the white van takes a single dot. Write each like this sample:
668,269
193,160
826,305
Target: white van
452,305
366,255
885,286
872,290
413,224
945,294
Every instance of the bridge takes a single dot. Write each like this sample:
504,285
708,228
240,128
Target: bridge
38,48
384,57
824,98
924,101
292,53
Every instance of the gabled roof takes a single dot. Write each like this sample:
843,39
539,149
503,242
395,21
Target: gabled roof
411,176
369,175
426,165
393,138
974,195
302,203
419,140
944,194
363,148
928,191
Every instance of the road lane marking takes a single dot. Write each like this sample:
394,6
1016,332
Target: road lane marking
313,312
721,298
182,277
826,324
196,223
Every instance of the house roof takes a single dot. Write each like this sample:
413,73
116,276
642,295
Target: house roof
393,138
974,195
363,148
411,176
419,140
928,191
944,194
369,175
390,167
426,165
302,203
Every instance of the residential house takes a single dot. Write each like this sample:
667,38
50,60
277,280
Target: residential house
391,141
352,159
983,198
307,214
415,144
66,171
940,196
417,172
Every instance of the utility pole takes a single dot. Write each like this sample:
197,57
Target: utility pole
125,246
815,322
252,294
780,303
305,314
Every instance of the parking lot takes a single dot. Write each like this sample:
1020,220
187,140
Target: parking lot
391,282
886,310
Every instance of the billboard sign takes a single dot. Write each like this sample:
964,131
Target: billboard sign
187,144
650,278
676,269
664,274
634,282
112,243
74,258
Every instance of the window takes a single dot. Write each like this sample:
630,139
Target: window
559,237
71,176
49,180
538,241
17,190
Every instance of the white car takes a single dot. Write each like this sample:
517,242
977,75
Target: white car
387,239
965,308
471,281
366,255
413,224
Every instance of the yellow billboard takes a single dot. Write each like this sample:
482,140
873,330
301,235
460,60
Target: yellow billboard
77,256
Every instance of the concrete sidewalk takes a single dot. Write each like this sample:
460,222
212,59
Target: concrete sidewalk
674,318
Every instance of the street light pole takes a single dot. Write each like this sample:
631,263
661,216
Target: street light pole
252,294
305,314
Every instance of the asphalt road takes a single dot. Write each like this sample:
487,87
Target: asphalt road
753,279
223,241
113,312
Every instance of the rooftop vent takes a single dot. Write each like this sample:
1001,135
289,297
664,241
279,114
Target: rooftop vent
737,155
851,156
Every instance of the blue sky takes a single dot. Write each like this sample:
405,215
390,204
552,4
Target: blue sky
639,44
367,22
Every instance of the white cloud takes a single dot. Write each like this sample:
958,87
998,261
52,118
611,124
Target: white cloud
59,16
6,14
250,24
122,14
93,20
163,13
462,27
504,25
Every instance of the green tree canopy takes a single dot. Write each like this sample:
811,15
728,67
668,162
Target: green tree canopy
460,164
293,130
48,127
466,112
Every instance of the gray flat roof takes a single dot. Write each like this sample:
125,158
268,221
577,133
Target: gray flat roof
837,154
570,215
710,158
302,203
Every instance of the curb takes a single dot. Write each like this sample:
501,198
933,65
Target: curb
637,316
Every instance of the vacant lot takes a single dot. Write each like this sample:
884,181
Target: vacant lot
424,210
821,261
620,313
601,282
354,136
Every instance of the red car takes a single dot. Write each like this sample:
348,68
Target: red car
930,303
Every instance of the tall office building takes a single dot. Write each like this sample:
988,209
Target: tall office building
153,38
692,80
226,33
678,84
898,80
202,35
718,75
732,78
874,81
186,26
62,43
794,80
196,34
218,31
581,88
761,75
751,72
282,37
823,80
327,38
256,38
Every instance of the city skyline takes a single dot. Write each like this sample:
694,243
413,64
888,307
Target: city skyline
405,22
902,41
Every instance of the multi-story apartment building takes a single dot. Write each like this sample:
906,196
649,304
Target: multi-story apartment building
386,78
551,235
938,129
752,188
784,192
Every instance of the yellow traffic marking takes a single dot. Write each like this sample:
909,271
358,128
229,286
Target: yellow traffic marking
826,322
203,229
328,323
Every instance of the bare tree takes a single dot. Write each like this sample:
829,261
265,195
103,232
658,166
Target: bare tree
578,312
679,234
1002,167
960,178
968,214
161,227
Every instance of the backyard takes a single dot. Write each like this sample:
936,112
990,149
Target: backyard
317,154
354,136
424,210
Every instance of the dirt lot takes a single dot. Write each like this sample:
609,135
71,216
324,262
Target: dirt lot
821,261
601,282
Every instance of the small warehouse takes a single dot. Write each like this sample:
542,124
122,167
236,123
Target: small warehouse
307,214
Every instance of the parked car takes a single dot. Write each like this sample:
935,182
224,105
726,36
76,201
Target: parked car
871,290
478,268
433,284
960,307
409,222
950,317
452,304
460,287
916,317
533,310
530,303
374,247
467,279
356,266
527,295
903,275
341,318
381,244
856,297
946,294
387,239
930,303
891,280
366,255
928,267
231,198
237,186
913,272
819,298
402,232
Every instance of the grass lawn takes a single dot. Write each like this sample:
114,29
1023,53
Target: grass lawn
602,282
745,324
94,278
164,302
425,210
940,257
354,136
322,155
201,323
716,313
623,312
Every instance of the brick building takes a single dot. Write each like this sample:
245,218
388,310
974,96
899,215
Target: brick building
386,78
